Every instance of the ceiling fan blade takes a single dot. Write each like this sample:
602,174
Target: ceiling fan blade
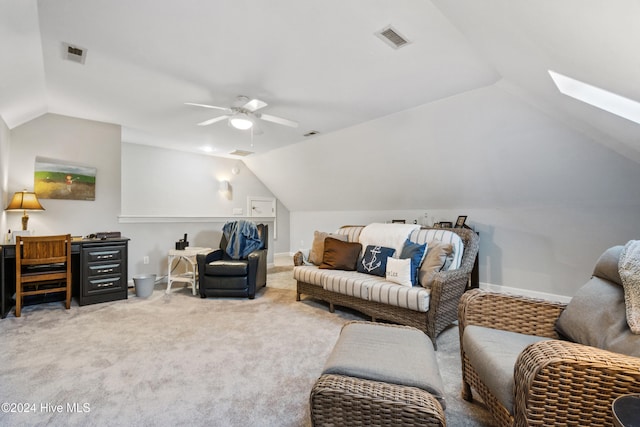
212,121
278,120
207,106
254,105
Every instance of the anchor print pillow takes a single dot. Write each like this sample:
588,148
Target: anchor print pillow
374,260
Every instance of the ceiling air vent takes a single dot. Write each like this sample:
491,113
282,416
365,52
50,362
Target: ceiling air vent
242,153
74,53
392,37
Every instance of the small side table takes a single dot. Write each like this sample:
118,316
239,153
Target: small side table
191,275
626,411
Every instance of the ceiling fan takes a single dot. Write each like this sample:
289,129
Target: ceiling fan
243,115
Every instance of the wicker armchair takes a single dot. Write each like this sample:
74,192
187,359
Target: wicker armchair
556,383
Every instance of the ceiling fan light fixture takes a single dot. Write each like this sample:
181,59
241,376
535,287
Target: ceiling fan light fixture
241,121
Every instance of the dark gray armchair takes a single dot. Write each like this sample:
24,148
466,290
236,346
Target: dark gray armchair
222,276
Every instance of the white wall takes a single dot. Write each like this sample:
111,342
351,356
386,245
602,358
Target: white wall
155,182
546,199
542,251
167,193
4,174
77,141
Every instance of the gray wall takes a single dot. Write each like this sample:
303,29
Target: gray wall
78,141
164,193
4,173
546,199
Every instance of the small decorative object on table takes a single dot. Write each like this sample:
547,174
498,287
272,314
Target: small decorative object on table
446,224
460,221
182,243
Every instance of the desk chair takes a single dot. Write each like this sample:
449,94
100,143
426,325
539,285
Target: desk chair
43,265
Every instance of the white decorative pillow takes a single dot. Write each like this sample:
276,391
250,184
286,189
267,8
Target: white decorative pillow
399,271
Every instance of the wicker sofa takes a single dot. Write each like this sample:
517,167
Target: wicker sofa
529,374
438,304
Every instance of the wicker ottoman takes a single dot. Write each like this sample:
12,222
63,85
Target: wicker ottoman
379,374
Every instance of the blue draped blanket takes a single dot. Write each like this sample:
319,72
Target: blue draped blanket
242,237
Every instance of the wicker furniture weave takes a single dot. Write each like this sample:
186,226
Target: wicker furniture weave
338,400
557,383
446,291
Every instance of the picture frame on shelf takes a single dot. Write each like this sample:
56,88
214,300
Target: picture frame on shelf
460,221
446,224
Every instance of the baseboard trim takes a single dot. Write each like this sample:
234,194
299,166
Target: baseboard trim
283,259
525,292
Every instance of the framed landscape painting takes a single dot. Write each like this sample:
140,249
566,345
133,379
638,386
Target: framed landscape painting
55,179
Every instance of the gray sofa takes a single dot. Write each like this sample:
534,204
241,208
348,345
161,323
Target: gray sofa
430,308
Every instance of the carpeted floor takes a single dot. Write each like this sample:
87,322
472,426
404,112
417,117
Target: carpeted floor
181,360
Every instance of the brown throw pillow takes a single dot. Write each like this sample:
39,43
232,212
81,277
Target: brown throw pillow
339,255
434,261
317,248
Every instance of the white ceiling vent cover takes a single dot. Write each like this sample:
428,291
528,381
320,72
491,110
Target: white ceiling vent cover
242,153
74,53
392,37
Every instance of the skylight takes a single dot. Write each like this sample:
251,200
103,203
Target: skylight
600,98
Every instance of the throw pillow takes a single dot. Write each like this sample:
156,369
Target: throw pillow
339,255
416,253
317,248
437,254
596,317
399,271
374,260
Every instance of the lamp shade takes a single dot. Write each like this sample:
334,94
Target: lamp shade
24,201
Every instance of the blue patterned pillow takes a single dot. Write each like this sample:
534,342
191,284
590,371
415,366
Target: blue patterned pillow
374,260
416,253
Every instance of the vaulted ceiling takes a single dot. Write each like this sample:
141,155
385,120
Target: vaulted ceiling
473,81
316,63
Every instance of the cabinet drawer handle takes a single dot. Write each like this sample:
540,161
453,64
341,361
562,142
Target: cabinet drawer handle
108,270
104,285
104,256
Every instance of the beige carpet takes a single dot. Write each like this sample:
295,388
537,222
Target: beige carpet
181,360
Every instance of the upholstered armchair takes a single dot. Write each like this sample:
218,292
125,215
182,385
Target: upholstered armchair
539,363
222,276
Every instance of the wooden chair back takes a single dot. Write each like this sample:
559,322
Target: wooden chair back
42,262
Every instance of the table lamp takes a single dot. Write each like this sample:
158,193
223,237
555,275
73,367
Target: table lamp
24,201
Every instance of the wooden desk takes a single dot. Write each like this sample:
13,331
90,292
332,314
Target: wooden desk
99,269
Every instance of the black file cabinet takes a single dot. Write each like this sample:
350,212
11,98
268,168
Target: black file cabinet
103,275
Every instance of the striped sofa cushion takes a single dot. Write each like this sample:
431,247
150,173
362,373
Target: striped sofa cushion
351,283
352,231
337,280
311,274
428,235
412,297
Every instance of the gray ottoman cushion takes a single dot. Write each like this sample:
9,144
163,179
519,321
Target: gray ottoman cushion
493,354
386,353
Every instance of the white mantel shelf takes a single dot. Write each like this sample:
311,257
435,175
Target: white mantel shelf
145,219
